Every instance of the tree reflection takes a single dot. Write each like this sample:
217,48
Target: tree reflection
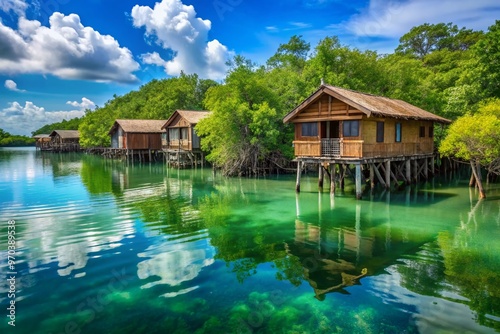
463,263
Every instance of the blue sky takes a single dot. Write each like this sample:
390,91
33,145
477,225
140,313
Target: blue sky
60,57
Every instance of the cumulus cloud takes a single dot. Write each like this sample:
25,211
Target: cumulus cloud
16,6
66,49
175,27
19,119
84,105
392,19
153,59
12,85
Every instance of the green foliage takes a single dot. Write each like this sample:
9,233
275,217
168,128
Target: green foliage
426,38
475,137
487,50
157,99
243,130
6,139
293,54
71,124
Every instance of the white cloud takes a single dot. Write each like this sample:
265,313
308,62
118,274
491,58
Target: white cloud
17,6
84,105
392,19
19,119
66,49
12,85
176,27
153,59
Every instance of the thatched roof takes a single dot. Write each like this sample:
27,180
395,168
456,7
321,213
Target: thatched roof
138,125
40,136
66,134
369,104
192,116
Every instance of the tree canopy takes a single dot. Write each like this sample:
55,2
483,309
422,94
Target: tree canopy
447,70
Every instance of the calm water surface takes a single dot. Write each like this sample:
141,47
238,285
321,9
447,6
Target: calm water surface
102,247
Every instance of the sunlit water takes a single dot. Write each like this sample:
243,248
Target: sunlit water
102,247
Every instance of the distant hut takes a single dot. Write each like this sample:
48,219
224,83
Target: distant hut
181,142
136,134
64,141
341,126
42,141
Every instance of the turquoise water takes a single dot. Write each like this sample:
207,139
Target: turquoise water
102,247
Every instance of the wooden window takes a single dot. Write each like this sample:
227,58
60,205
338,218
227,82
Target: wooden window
398,132
422,131
380,132
310,129
431,131
184,133
351,128
173,134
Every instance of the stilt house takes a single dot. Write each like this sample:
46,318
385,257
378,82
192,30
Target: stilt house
136,134
42,141
64,140
180,133
341,126
181,142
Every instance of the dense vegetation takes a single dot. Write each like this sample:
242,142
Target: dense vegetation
7,139
71,124
447,70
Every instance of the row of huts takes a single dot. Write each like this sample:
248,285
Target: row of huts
140,139
335,128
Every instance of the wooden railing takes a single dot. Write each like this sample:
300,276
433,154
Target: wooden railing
329,148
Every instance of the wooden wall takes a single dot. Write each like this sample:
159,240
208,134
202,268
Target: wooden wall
143,141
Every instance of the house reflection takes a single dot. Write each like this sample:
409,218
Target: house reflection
337,251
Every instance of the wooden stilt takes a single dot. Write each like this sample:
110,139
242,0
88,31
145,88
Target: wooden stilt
372,177
388,173
333,172
342,176
359,191
426,168
379,177
297,185
433,165
415,171
408,171
321,176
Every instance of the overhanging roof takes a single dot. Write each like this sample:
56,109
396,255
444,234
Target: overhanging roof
66,134
191,116
138,125
371,105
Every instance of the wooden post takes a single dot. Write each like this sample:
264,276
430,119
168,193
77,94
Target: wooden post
415,171
388,173
426,168
359,191
372,177
379,177
342,175
408,171
333,172
433,165
321,176
297,185
149,155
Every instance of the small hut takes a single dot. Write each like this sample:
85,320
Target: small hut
136,134
341,126
138,137
64,141
42,141
181,142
